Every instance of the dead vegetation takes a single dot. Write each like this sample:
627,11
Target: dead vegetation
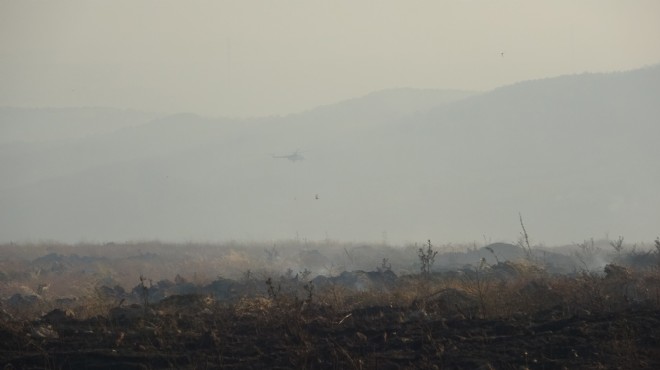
501,315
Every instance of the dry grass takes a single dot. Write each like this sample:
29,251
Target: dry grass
419,321
416,319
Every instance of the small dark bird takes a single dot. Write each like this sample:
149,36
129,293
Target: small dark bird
316,197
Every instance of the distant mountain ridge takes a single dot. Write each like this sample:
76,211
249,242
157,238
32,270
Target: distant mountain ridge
576,155
393,103
43,124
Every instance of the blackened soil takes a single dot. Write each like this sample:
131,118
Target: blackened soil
317,338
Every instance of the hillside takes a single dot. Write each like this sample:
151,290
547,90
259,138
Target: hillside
44,124
575,154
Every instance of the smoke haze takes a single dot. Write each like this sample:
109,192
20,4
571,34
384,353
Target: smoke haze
407,121
253,58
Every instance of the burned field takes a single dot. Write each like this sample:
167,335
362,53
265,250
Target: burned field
197,336
504,315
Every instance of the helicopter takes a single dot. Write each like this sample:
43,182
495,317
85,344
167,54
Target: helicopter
293,157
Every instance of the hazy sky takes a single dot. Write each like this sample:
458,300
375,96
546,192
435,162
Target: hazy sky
246,58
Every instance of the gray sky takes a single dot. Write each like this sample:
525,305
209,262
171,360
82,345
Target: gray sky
247,58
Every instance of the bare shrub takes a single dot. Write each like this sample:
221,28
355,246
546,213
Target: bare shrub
523,240
617,245
426,258
586,253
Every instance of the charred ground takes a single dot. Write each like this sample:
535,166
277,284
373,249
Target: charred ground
505,314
